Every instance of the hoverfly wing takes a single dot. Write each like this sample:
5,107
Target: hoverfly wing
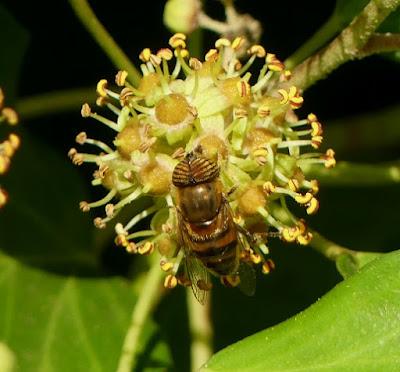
194,270
199,277
248,278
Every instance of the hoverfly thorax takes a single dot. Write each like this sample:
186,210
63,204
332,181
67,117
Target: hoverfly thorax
199,190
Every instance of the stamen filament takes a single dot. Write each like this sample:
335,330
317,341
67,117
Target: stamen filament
128,199
104,200
140,216
105,121
142,233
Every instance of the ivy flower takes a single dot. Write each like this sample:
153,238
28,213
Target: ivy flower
8,146
244,120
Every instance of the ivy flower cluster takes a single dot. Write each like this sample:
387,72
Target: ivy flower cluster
242,117
8,146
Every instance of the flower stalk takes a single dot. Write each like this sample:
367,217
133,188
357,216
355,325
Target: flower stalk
88,18
348,45
146,303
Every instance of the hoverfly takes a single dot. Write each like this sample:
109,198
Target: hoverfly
211,240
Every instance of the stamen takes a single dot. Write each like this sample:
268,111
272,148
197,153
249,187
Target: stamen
142,233
147,212
128,199
87,206
270,220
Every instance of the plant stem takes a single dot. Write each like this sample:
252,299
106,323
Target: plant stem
380,43
353,174
54,102
346,46
327,248
148,298
86,15
200,330
326,32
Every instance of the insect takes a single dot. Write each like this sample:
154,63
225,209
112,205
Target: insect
207,231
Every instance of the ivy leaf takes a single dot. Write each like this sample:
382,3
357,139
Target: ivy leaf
67,323
353,327
42,224
14,41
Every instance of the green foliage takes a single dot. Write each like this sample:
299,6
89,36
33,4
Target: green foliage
353,327
13,43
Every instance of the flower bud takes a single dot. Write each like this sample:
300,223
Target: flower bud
182,15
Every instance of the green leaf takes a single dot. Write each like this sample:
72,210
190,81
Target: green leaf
42,224
67,323
354,327
14,41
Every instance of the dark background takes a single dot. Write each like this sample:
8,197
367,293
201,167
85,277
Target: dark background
62,55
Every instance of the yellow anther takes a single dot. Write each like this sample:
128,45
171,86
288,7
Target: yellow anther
222,42
99,223
273,63
312,117
146,248
286,75
170,281
211,55
240,113
314,186
101,88
166,265
237,43
313,206
14,140
329,157
238,65
131,247
285,96
243,88
165,53
195,64
81,138
155,60
72,152
109,208
238,219
255,258
263,111
294,184
268,266
269,187
145,55
301,226
303,199
10,115
258,50
260,152
86,110
289,234
4,164
101,101
304,239
84,206
7,149
125,95
316,141
3,197
181,52
177,40
120,78
316,128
